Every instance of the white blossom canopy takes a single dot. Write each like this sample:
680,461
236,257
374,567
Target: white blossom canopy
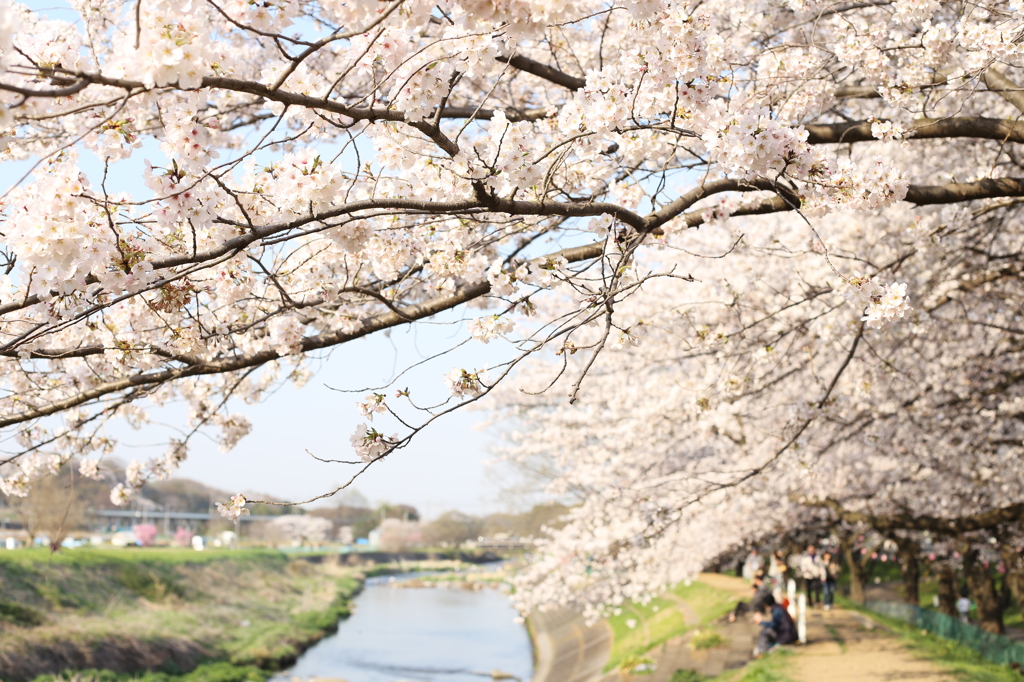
523,156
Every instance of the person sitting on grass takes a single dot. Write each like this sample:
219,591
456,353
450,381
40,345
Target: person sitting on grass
777,629
762,589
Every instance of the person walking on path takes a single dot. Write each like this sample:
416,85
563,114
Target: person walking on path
778,572
752,566
963,607
812,572
831,572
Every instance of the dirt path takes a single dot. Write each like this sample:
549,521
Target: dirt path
847,646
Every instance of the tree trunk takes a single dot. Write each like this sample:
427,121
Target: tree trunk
910,569
1014,577
983,591
947,590
1005,596
857,576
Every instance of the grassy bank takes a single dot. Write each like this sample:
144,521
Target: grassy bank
126,611
641,627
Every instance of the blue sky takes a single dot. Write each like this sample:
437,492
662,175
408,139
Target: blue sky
445,466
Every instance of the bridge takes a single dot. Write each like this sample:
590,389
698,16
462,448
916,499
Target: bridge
158,515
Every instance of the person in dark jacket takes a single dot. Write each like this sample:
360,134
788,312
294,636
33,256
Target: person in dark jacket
778,628
762,589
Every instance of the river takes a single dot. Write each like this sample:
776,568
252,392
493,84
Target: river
423,635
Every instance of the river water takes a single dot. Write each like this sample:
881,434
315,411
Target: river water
426,634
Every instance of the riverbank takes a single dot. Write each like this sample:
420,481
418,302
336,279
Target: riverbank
647,641
129,611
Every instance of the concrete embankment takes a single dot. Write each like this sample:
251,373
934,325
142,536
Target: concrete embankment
567,649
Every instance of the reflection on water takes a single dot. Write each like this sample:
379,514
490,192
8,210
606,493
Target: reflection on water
422,635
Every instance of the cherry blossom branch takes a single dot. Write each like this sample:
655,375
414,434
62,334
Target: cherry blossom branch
548,73
921,129
998,83
1013,513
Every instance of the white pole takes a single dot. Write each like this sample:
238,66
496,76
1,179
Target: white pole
791,595
801,621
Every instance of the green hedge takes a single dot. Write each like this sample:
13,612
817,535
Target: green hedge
993,647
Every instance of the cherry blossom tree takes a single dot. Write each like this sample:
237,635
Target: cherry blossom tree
145,533
584,177
299,528
745,406
183,536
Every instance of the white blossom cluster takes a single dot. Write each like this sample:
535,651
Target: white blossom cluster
882,303
485,329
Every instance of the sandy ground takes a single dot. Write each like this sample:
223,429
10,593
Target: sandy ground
845,645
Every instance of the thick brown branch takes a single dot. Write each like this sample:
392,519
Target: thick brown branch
924,128
55,353
921,195
670,211
487,114
856,92
464,293
548,73
1013,513
1005,88
955,192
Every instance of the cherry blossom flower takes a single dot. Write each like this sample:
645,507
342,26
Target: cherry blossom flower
373,404
234,509
462,383
370,444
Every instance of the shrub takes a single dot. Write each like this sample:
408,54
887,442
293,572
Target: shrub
20,615
688,676
707,639
147,584
638,665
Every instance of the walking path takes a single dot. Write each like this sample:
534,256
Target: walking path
846,646
842,646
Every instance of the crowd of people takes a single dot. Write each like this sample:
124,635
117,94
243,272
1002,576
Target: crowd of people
811,572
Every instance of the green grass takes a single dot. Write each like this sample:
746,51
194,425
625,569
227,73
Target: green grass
660,619
770,668
155,586
688,676
656,621
20,615
637,665
708,639
94,556
963,662
276,644
209,672
243,608
708,603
